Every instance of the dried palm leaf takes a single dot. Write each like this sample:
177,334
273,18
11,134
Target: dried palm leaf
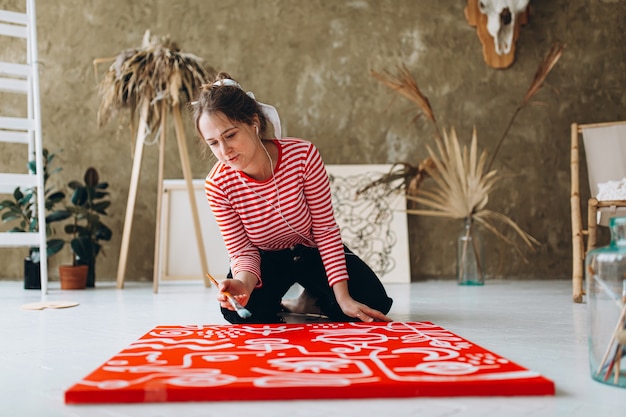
461,188
158,73
462,185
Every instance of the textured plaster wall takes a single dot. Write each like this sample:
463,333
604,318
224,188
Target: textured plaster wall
311,59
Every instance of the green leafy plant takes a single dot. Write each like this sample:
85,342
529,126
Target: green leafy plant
88,204
23,208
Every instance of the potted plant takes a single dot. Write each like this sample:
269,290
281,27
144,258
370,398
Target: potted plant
88,203
23,209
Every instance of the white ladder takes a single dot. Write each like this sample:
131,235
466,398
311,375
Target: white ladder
23,78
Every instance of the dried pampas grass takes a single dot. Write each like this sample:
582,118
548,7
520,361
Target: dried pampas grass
549,61
462,179
404,84
412,176
158,73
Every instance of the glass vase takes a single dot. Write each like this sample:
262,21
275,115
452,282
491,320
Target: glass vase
606,304
469,266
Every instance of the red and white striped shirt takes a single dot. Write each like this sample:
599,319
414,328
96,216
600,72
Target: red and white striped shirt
294,207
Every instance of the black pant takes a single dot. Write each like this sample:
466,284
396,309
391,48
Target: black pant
303,265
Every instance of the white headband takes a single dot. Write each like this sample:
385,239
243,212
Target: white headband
269,111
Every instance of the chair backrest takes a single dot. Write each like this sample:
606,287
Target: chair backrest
605,148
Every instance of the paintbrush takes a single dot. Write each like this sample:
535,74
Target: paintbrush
243,312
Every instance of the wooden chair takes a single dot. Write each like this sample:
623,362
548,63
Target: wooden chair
605,150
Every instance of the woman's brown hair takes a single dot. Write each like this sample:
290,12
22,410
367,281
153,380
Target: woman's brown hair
230,100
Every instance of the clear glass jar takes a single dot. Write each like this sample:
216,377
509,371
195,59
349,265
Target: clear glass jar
606,303
469,266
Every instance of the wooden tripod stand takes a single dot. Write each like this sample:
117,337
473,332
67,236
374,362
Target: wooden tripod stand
134,181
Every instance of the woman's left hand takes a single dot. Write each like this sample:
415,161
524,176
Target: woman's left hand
362,312
353,308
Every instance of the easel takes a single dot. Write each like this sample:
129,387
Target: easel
134,181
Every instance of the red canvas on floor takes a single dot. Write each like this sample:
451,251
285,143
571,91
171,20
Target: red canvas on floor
303,361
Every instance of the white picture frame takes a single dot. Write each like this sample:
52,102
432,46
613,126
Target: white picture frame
373,223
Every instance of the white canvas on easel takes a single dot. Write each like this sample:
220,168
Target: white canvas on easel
374,226
178,257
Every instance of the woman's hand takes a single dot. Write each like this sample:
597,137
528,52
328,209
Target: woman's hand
240,287
362,312
237,289
353,308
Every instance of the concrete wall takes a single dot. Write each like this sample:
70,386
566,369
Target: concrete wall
312,60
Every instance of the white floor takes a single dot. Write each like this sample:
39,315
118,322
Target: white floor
533,323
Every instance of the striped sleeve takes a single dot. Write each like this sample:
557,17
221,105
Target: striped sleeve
324,226
243,255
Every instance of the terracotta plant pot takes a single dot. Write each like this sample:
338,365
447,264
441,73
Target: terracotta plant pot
73,277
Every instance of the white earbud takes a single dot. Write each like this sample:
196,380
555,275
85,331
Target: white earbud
256,129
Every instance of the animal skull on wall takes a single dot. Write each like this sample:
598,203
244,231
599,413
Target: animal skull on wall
497,24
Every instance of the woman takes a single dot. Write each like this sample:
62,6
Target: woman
271,199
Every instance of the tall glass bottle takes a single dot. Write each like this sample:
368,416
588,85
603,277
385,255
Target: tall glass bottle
606,302
469,266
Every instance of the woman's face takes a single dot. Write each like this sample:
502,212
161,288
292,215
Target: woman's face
233,143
